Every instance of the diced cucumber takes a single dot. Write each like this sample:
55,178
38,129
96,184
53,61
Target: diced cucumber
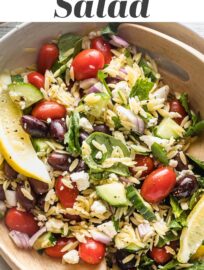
45,241
40,145
138,202
169,128
113,193
132,247
24,94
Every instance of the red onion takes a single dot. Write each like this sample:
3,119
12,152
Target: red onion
101,237
11,198
20,239
125,180
36,236
118,42
85,84
93,89
123,70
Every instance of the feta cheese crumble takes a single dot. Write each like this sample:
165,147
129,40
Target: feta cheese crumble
98,207
81,179
85,124
108,228
71,257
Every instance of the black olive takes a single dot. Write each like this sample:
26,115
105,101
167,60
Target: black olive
34,127
120,255
2,193
9,171
185,186
39,187
181,166
81,166
102,128
41,202
59,161
24,201
57,130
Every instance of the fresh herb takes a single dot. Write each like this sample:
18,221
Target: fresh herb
110,29
116,223
102,76
195,129
175,225
72,136
145,262
142,207
148,71
176,209
117,122
170,236
69,46
170,265
16,78
142,89
99,175
184,102
159,153
109,142
195,198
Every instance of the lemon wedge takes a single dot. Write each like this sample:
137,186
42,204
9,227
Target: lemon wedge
199,253
1,159
15,143
192,235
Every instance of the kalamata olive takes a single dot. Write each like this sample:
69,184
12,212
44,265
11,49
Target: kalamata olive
9,172
57,130
185,186
81,166
120,255
73,217
111,80
59,161
34,126
2,193
39,187
102,128
181,165
83,136
26,203
41,202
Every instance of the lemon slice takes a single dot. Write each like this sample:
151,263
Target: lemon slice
15,143
192,236
1,159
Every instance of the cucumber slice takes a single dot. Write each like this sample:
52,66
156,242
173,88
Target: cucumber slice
45,241
24,94
40,145
114,194
138,202
169,128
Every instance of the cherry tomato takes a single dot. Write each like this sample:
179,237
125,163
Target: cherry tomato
144,161
158,184
87,63
55,251
67,196
102,46
37,79
47,56
48,109
160,255
21,221
92,251
176,106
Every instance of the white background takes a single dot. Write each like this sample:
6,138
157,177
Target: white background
159,10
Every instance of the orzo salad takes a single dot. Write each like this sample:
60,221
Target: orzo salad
94,158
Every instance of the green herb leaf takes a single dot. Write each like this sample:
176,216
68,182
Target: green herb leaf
159,153
72,136
195,129
110,142
170,236
142,89
176,209
117,122
195,197
148,71
170,265
116,223
16,78
110,29
145,262
69,45
102,76
184,102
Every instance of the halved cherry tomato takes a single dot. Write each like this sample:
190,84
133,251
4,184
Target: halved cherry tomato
67,196
158,184
21,221
176,106
143,161
87,64
55,251
48,109
47,56
102,46
160,255
92,251
37,79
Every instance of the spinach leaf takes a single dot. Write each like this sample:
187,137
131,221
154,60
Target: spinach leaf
72,136
59,69
176,209
159,153
148,72
69,45
174,225
195,129
16,78
184,102
142,89
102,76
109,142
110,29
170,265
197,162
116,223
